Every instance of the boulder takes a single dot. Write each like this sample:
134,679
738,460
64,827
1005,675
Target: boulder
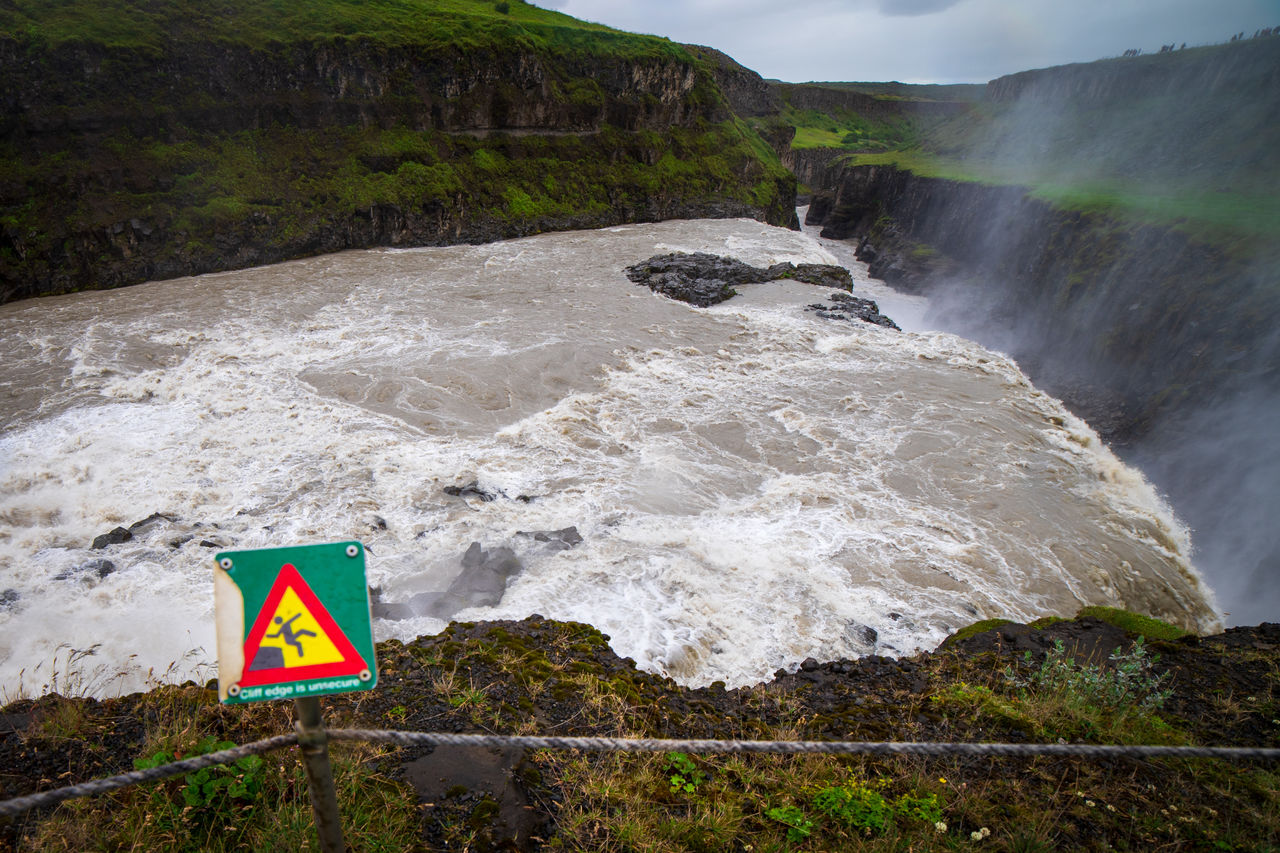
99,567
112,537
473,490
851,308
557,540
703,279
481,583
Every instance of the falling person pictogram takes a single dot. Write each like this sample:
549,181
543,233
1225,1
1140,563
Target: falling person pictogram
291,636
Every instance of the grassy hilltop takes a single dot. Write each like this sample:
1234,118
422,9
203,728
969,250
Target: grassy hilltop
149,140
866,118
1187,139
156,27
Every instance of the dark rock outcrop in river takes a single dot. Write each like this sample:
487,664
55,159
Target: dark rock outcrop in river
704,279
853,308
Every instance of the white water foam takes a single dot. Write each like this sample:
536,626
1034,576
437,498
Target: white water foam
753,485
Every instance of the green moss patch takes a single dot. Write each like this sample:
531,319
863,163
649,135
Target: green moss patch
1134,623
973,630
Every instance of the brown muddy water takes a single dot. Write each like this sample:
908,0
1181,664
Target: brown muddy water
753,485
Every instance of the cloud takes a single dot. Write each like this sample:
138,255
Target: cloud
912,8
920,41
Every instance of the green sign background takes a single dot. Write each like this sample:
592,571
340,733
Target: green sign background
338,581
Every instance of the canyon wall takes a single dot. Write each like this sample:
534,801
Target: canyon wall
123,164
1124,322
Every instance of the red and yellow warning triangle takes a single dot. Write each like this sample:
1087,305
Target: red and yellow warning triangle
294,638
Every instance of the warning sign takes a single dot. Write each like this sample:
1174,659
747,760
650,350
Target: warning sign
293,622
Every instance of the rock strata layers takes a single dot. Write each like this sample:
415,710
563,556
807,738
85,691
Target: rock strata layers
201,153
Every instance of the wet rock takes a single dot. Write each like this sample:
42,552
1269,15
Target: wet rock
558,540
101,568
481,583
851,308
809,664
139,527
698,279
703,279
823,275
394,610
8,598
861,635
113,537
473,490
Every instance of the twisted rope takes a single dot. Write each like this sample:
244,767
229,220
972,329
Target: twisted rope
609,744
152,774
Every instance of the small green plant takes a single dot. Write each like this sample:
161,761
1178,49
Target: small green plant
924,808
856,807
684,775
1129,684
218,786
799,827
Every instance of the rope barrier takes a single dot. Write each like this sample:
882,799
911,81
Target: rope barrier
152,774
608,744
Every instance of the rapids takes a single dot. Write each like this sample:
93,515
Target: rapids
753,485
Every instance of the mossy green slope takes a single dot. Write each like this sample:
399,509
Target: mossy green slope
867,117
155,140
460,24
1186,139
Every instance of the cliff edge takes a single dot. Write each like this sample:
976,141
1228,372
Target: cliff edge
1105,677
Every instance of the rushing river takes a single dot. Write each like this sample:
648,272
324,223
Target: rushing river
752,484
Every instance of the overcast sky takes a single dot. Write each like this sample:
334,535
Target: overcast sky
925,41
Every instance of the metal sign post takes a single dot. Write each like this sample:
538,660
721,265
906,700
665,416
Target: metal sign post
294,623
313,741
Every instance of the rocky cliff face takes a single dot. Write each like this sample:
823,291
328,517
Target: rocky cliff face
1124,322
81,88
747,92
123,165
809,165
